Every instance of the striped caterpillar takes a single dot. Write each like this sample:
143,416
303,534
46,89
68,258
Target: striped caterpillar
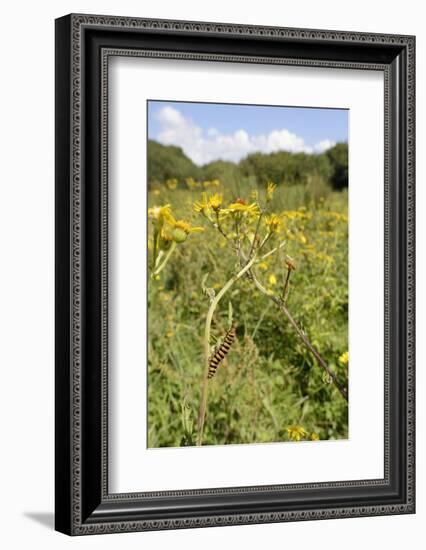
221,352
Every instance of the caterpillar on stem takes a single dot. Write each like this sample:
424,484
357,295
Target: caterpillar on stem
220,354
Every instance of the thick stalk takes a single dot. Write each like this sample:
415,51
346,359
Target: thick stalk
213,305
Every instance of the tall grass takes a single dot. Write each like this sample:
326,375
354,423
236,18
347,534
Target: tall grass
269,381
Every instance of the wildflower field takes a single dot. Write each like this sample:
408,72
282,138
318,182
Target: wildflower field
271,260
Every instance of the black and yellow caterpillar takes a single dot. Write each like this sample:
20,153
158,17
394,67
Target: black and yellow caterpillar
219,355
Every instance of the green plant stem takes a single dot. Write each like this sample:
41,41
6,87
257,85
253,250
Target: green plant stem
301,334
260,321
155,251
265,240
272,251
166,259
256,233
213,305
219,227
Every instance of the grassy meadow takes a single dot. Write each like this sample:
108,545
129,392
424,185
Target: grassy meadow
270,387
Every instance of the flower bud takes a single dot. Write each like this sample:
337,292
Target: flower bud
179,235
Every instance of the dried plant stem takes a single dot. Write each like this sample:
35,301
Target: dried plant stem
213,305
286,283
281,304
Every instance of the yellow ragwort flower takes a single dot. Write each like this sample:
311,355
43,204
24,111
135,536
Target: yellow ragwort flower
272,280
270,188
272,222
344,358
215,201
314,436
296,433
240,206
172,183
192,184
293,214
187,227
203,205
211,183
161,215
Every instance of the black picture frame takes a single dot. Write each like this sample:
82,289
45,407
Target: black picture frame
83,46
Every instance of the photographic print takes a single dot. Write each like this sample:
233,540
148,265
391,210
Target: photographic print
248,274
203,236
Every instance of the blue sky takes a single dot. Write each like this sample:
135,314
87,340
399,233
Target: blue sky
208,131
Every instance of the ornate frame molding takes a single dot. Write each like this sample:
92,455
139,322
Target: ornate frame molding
72,48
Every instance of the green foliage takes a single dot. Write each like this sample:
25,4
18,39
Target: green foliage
338,157
221,170
269,381
167,162
285,168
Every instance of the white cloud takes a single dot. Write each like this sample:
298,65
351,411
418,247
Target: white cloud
203,147
324,145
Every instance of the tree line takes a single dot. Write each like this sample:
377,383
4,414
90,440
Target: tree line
282,167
